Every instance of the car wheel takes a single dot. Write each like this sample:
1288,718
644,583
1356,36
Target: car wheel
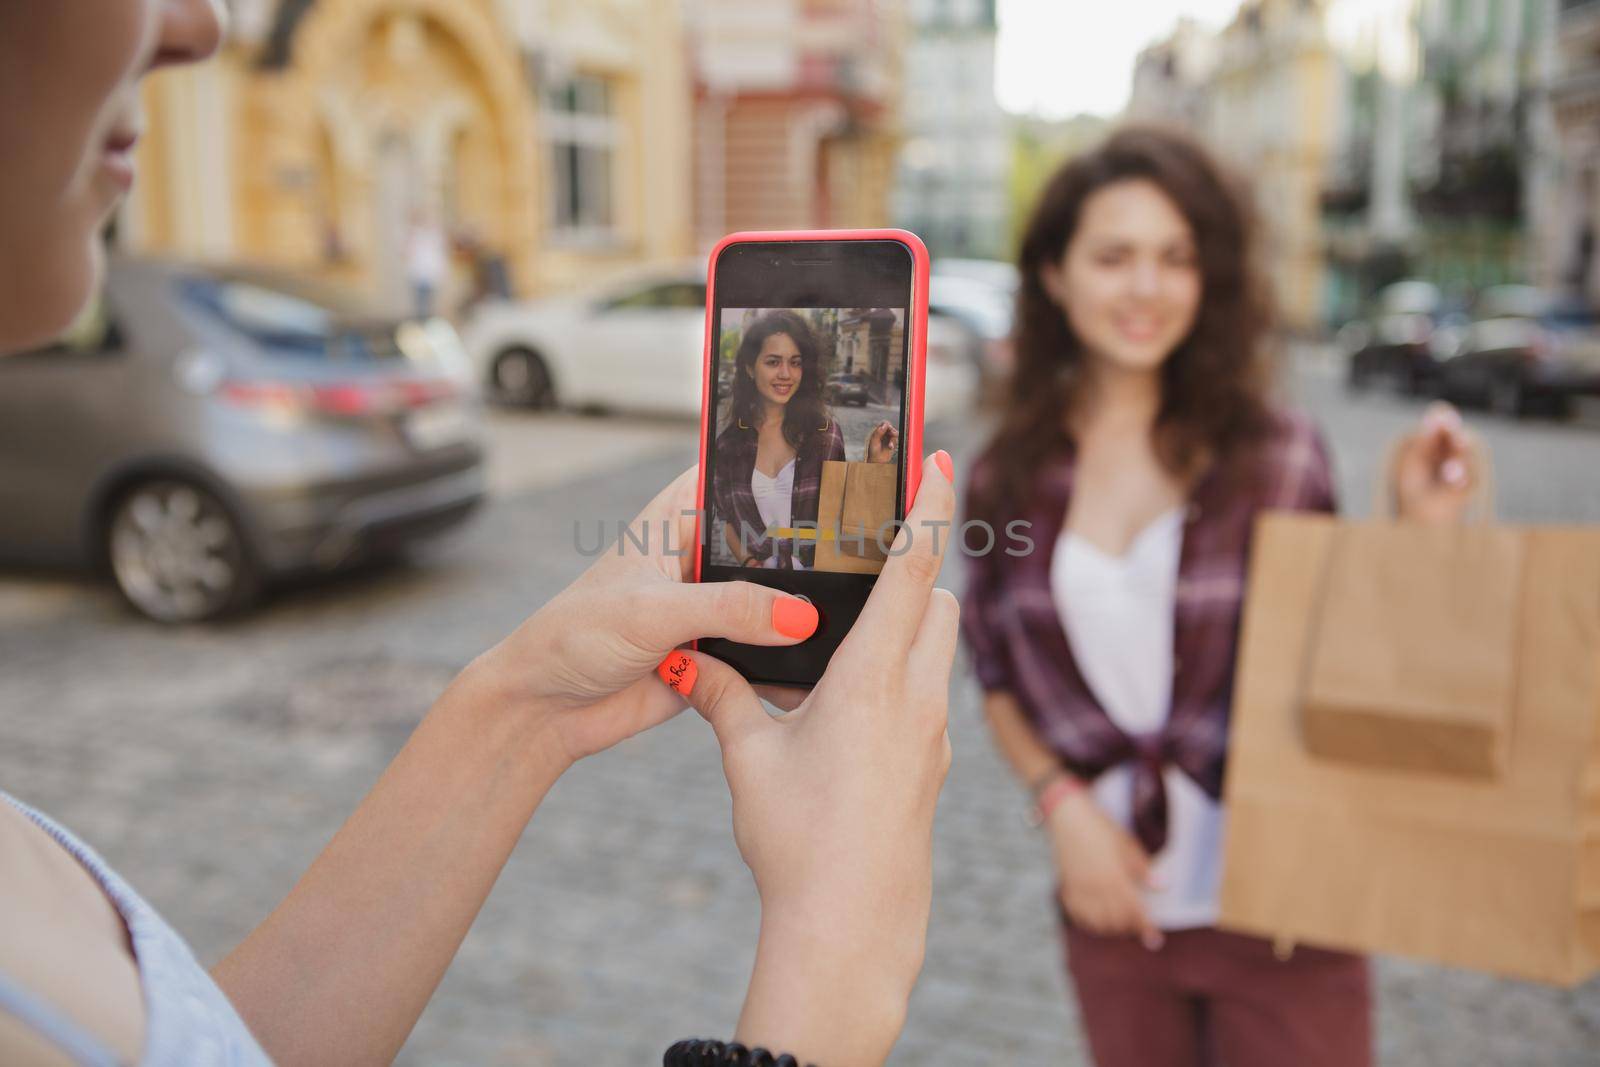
520,377
177,554
1507,396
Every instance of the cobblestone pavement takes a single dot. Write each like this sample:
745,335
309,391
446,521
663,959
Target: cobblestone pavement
211,764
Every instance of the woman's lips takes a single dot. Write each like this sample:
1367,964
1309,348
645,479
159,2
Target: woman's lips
116,159
1140,329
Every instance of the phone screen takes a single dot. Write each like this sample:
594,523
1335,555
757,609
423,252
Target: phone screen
805,460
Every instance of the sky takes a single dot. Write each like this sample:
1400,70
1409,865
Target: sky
1058,58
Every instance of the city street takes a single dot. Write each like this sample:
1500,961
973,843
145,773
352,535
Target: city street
211,764
857,425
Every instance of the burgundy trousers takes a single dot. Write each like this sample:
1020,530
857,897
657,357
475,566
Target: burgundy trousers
1209,998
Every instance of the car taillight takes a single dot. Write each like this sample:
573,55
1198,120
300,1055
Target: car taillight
262,395
352,398
347,399
1541,348
421,393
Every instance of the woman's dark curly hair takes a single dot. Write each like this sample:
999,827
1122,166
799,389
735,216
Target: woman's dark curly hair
806,412
1215,385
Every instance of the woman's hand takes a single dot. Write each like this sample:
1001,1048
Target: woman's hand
1102,871
341,970
833,808
881,443
1436,470
587,659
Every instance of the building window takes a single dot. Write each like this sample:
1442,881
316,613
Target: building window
583,133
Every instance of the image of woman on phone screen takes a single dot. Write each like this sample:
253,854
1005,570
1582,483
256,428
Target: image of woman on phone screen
777,434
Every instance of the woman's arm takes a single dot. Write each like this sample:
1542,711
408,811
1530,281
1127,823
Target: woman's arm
1100,866
340,971
1028,757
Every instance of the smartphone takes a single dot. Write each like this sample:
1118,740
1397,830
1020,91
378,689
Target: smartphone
811,424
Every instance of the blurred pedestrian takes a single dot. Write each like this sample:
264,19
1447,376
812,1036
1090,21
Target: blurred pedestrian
427,263
491,274
340,971
1140,437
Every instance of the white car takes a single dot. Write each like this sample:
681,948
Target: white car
634,345
638,345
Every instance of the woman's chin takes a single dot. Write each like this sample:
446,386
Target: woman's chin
1140,357
52,293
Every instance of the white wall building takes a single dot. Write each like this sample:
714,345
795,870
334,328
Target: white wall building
955,164
1171,76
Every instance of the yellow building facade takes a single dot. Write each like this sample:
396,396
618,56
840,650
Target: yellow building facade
550,135
1271,111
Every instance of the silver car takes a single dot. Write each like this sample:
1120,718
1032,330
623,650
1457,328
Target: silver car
202,431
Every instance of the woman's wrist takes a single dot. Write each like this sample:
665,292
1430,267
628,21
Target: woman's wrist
499,702
1050,792
824,994
1067,813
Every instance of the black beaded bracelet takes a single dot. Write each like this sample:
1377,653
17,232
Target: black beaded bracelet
696,1052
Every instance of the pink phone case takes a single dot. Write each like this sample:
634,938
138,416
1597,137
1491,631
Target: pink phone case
917,351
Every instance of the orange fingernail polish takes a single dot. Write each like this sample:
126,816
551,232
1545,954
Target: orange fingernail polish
679,672
793,617
942,458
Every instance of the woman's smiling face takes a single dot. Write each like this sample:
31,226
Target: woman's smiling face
778,369
1129,281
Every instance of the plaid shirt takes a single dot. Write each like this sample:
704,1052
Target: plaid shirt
736,501
1014,629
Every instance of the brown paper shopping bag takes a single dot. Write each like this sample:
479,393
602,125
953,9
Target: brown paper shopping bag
1489,860
1412,647
835,551
867,510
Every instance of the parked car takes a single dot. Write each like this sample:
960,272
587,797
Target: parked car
983,310
997,274
952,385
1402,338
850,389
634,345
1524,354
203,431
639,345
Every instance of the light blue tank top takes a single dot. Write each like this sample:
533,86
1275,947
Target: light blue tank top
188,1021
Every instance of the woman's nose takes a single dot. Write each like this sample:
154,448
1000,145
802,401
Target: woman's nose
191,30
1147,279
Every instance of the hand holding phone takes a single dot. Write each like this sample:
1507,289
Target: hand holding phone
582,661
811,430
833,810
